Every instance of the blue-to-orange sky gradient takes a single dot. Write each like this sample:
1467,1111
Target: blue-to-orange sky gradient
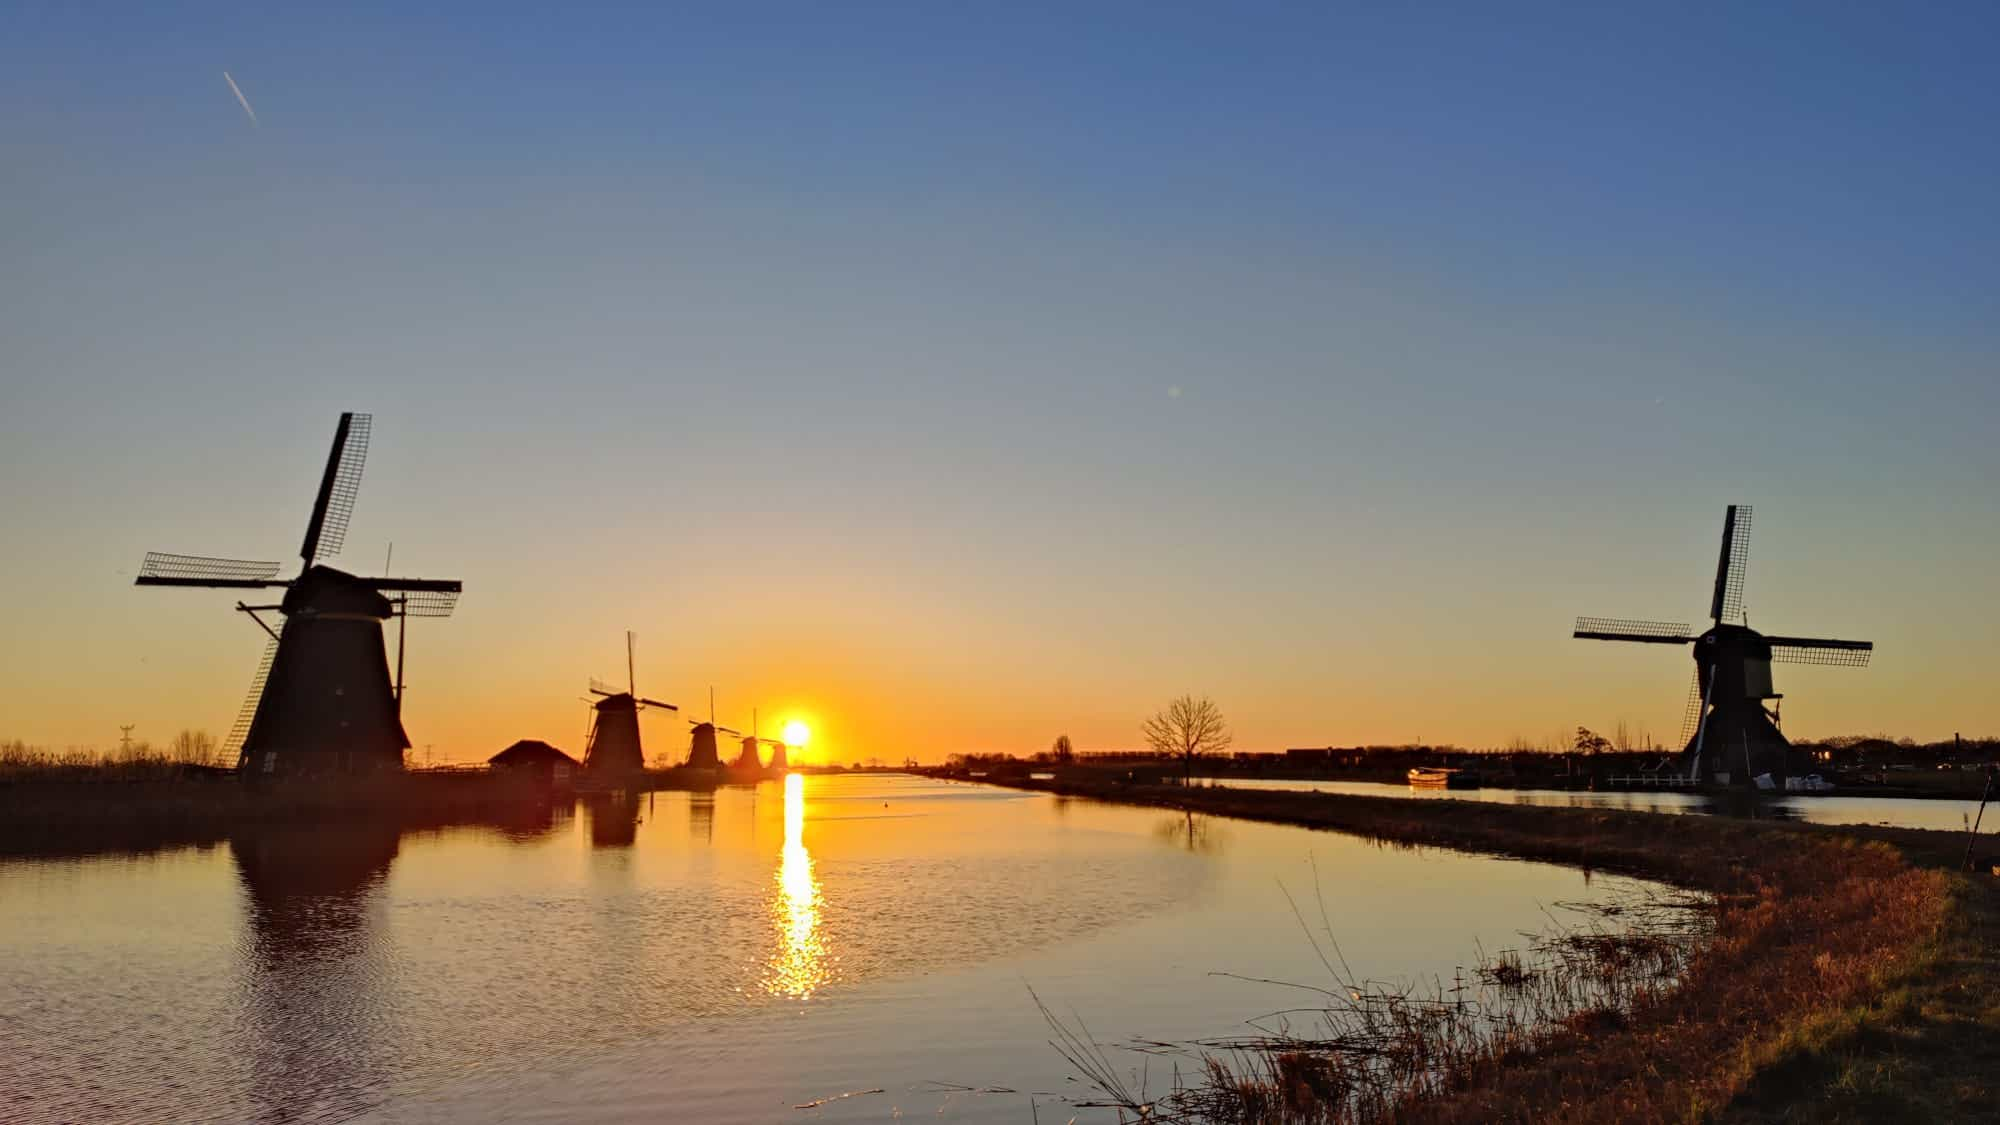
956,379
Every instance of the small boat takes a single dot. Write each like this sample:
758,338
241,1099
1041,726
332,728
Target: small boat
1438,777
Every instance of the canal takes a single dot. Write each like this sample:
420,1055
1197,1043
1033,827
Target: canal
716,957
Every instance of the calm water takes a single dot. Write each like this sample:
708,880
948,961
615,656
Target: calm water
1950,816
691,957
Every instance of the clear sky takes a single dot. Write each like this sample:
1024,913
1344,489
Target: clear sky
958,378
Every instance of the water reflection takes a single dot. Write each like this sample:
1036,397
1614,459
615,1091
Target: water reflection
614,820
311,965
526,823
800,964
701,816
1199,834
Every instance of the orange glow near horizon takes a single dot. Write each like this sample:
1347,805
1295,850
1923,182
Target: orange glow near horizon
797,734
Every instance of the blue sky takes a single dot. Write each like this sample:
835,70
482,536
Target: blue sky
961,377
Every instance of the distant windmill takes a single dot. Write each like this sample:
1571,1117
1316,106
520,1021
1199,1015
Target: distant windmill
749,760
1729,733
614,745
701,740
321,699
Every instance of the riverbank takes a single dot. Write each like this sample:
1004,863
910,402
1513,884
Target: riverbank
1851,976
84,812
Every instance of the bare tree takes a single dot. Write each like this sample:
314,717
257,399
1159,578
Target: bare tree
1187,728
196,747
1062,751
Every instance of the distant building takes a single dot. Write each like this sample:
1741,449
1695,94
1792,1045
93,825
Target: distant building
545,762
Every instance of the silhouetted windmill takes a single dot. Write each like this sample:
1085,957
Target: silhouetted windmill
321,699
749,760
701,741
614,745
1728,730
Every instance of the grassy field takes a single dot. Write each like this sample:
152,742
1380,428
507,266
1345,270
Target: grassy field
1851,976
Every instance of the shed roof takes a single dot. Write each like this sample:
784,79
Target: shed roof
529,752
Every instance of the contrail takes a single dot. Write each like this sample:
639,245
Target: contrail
245,102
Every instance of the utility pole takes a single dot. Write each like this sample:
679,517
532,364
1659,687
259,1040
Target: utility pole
125,737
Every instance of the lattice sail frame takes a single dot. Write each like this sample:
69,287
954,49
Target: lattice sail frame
1691,714
163,564
1620,626
240,729
1815,654
346,488
427,603
1735,566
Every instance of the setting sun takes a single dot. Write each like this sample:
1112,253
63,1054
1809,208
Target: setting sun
797,733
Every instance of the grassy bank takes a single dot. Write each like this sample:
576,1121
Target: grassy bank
1851,976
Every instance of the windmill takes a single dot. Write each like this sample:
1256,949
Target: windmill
701,740
1727,727
321,700
614,745
748,760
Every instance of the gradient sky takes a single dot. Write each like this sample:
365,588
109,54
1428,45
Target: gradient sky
958,379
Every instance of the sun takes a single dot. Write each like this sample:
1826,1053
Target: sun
797,733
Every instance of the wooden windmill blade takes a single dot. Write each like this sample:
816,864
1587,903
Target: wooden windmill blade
420,597
1820,650
160,568
339,485
1630,629
1697,706
1727,602
657,703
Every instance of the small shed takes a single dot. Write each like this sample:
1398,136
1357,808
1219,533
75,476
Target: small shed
538,758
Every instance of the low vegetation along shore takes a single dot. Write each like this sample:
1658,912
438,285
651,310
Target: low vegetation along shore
1846,975
145,798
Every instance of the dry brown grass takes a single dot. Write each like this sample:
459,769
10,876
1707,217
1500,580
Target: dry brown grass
138,761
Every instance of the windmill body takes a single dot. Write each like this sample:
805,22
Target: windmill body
614,737
324,700
701,748
328,700
1730,735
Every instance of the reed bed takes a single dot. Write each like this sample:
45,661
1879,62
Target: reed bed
189,751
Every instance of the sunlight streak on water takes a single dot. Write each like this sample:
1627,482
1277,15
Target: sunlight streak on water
801,963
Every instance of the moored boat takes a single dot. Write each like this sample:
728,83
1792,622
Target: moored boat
1440,777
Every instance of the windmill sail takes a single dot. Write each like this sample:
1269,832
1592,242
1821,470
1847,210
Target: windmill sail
1727,604
241,728
160,568
1818,650
1626,629
326,531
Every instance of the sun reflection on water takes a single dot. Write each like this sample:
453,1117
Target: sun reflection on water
800,964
